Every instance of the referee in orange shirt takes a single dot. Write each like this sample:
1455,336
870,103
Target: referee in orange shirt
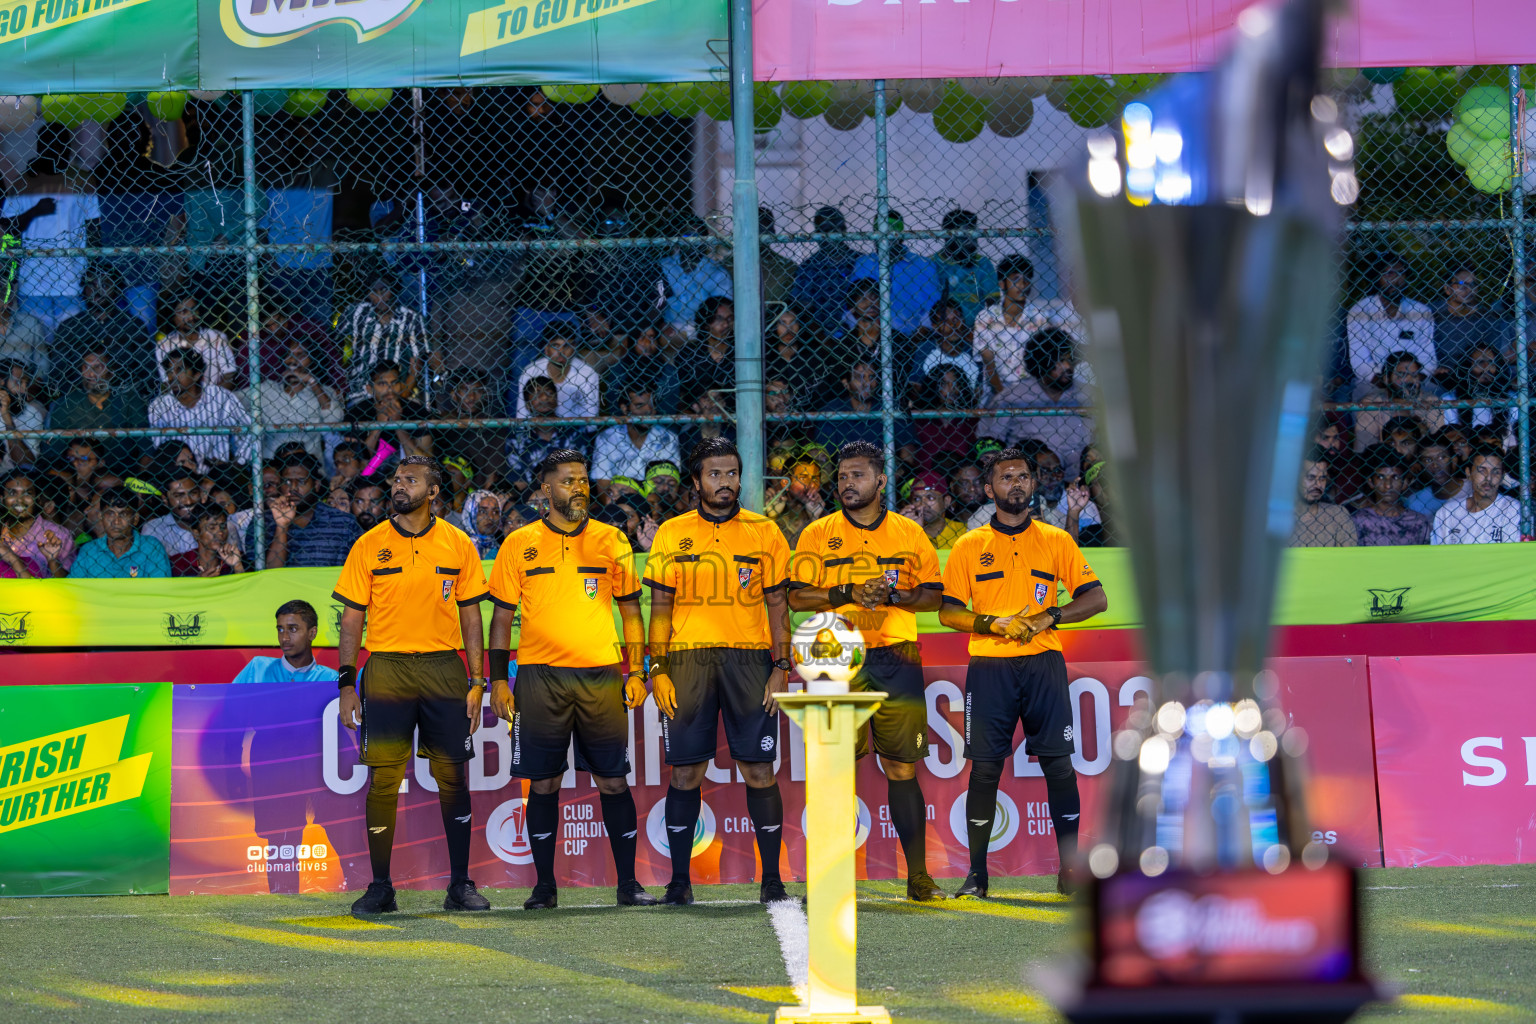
879,570
1008,572
417,583
566,572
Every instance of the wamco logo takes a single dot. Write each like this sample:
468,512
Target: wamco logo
184,626
1387,603
13,627
269,22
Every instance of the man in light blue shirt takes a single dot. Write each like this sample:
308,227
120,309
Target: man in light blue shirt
297,625
915,282
122,552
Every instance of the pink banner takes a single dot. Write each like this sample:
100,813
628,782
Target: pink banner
832,39
268,795
1456,758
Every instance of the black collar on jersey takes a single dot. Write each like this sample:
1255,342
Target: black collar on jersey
717,520
860,526
574,533
1012,531
431,522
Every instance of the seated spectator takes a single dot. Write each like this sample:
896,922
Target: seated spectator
190,404
1444,477
301,530
861,386
215,554
602,342
1003,329
482,522
271,488
927,504
1386,322
1484,516
1319,523
526,448
212,346
381,329
1380,518
98,401
946,343
23,336
33,547
915,281
944,442
626,450
1050,382
1483,380
82,473
694,273
1346,474
368,501
967,491
297,625
121,552
1402,434
859,337
779,399
1461,323
18,411
576,383
709,364
646,360
719,406
799,502
386,404
791,355
821,283
281,329
482,448
298,396
103,327
1401,381
969,277
517,517
349,458
664,483
180,489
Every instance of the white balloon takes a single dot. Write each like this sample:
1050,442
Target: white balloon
624,95
921,94
206,96
17,112
1027,86
1011,117
854,92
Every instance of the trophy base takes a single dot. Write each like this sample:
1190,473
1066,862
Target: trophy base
859,1015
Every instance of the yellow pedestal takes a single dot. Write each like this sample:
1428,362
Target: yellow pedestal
831,724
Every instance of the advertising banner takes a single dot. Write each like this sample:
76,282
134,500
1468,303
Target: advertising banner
1456,758
269,795
50,46
85,784
832,39
1318,586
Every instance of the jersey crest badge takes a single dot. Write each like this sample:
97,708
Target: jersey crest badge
591,584
986,559
384,555
529,554
891,576
1040,593
685,544
447,589
744,576
834,542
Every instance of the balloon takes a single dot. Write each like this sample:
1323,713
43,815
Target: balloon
649,104
1487,74
305,102
167,106
1490,167
1426,94
1383,76
1485,110
961,116
1339,79
680,99
206,96
370,101
101,107
988,89
921,94
767,107
270,101
1011,117
714,100
624,95
806,100
1091,102
1057,90
17,112
1460,141
570,93
845,117
1136,85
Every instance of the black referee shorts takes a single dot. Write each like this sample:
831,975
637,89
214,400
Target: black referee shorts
714,683
900,724
402,693
550,703
1001,692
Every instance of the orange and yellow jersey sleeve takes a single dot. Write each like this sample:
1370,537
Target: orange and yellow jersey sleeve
566,584
412,586
835,550
717,572
997,570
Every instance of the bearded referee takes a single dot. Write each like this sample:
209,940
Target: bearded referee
417,583
1008,573
879,570
566,572
719,639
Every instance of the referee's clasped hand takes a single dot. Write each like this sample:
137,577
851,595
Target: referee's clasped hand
501,700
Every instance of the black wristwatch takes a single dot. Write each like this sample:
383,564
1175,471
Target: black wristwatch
891,595
784,665
1055,613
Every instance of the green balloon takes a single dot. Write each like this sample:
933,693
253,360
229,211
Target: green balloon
167,106
1426,94
270,101
1460,141
806,100
649,103
767,107
714,100
570,93
1382,76
1485,109
959,117
305,102
1490,166
1136,85
680,99
370,101
64,110
1091,102
1487,74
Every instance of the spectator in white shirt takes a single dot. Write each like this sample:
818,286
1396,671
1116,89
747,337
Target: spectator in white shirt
1388,322
576,383
1003,330
298,397
190,404
49,286
627,450
181,490
212,345
1485,516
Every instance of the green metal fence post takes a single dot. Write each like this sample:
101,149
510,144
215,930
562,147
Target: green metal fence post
253,326
883,251
746,276
1522,357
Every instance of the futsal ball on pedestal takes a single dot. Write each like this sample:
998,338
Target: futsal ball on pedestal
828,652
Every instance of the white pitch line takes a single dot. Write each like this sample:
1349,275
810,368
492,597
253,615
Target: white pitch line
289,911
794,933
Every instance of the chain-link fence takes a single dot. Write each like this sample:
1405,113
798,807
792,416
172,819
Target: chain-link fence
242,308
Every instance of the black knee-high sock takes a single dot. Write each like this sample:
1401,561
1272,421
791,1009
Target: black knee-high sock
682,818
1066,805
766,809
543,815
980,809
453,800
623,824
379,815
909,813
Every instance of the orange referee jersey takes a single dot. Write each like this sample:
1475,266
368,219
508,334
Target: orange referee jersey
835,550
412,585
1000,570
717,571
566,584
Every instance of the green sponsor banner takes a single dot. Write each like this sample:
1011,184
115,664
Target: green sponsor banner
54,46
85,789
1318,586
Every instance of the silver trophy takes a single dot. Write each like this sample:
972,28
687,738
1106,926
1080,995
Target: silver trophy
1203,233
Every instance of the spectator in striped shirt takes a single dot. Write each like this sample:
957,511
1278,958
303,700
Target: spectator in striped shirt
379,330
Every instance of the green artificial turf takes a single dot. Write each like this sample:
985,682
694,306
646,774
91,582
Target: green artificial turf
1460,942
